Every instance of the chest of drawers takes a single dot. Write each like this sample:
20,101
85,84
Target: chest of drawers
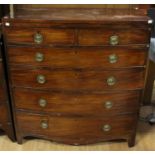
77,76
6,124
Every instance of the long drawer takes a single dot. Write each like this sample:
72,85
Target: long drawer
73,130
91,80
77,103
109,36
112,57
41,36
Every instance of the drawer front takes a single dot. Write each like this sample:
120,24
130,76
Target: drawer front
111,57
78,80
113,36
77,104
40,36
76,129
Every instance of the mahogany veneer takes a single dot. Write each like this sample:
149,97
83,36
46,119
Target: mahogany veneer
77,75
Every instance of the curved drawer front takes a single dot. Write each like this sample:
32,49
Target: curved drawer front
41,36
111,57
113,36
76,130
78,80
77,104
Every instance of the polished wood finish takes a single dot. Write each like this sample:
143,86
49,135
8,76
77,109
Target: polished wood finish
83,130
82,14
50,36
85,37
80,80
82,57
75,92
145,133
77,104
78,6
102,37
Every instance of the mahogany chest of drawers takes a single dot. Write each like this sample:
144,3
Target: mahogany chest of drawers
6,124
77,75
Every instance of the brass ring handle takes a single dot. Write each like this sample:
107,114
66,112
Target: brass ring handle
106,127
113,58
114,40
38,38
108,104
41,79
42,102
111,81
39,57
44,124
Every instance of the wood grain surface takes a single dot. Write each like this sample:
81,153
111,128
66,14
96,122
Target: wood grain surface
50,36
80,80
80,57
102,36
145,134
73,130
77,104
71,32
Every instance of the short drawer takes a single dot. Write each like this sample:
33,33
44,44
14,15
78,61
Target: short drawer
107,104
74,130
113,36
40,36
107,57
78,80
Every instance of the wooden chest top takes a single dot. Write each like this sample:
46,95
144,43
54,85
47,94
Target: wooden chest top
45,16
82,14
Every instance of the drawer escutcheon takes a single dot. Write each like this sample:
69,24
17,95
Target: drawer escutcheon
108,104
106,127
111,81
38,38
42,102
114,40
41,79
39,57
113,58
44,124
